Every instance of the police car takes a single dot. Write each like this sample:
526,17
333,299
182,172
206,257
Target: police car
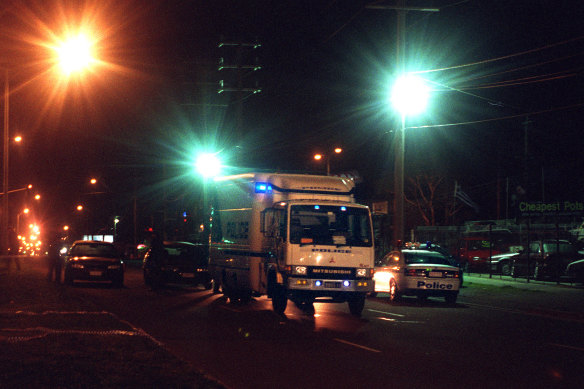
414,272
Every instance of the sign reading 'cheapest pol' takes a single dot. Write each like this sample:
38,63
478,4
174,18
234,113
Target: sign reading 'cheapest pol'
555,208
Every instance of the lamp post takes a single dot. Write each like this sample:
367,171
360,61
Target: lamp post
5,162
207,165
409,97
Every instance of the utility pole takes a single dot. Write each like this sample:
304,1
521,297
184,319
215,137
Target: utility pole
236,67
399,141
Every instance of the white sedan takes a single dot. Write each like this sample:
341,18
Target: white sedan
421,273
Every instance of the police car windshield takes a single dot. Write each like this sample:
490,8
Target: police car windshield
330,225
413,257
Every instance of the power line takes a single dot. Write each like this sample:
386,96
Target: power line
500,118
500,58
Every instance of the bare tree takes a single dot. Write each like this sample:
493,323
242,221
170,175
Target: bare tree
429,195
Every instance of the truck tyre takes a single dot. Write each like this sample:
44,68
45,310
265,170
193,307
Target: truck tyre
394,294
450,298
216,286
279,299
356,305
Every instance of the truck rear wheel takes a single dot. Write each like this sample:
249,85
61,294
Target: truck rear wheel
356,305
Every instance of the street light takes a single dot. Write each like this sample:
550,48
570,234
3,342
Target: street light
208,165
327,158
409,96
74,54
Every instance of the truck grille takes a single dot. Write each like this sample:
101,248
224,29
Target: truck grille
331,273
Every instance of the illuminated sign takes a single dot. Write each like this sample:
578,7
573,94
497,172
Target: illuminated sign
559,208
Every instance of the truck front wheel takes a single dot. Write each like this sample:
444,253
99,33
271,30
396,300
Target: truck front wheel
279,299
356,305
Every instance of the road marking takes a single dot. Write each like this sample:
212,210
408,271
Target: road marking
567,346
357,345
386,313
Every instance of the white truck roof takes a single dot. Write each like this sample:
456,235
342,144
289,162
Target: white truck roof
284,182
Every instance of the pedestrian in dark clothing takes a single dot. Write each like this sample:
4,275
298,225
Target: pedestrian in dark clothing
14,245
154,266
54,259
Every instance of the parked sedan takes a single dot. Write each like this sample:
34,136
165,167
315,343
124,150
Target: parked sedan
177,262
502,263
545,259
94,261
420,273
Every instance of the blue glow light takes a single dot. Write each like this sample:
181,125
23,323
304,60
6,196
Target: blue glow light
263,187
346,283
343,208
317,207
318,283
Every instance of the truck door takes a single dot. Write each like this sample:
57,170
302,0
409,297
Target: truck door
274,228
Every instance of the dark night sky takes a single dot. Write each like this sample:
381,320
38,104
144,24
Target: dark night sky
326,67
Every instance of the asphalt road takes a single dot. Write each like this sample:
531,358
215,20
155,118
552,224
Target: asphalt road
498,335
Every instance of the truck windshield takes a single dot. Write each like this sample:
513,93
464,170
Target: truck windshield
330,225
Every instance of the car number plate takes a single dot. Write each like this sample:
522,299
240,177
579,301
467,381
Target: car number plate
435,274
95,273
188,275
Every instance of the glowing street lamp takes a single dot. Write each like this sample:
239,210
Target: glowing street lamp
409,96
75,54
208,165
327,158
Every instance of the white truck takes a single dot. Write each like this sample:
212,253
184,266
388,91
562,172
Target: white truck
291,236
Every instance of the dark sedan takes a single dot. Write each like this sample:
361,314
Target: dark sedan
94,261
178,262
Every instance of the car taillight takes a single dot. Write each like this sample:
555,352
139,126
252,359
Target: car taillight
410,272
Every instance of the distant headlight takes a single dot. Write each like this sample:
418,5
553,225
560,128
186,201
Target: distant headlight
63,251
300,270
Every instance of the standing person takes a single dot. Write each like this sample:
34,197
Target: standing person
13,247
54,258
153,267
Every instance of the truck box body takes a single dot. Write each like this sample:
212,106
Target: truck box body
301,235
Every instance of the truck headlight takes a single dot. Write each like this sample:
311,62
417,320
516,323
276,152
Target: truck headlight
300,270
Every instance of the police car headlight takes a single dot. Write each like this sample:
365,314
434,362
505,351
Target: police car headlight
300,270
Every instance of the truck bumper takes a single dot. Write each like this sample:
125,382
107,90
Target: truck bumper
328,287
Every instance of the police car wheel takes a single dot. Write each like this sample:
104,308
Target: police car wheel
393,293
451,298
